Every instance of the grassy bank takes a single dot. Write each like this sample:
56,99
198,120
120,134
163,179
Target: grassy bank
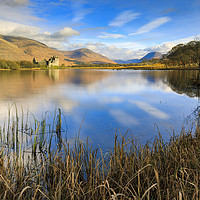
155,170
137,67
149,65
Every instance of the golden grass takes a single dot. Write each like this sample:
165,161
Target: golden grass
155,170
156,66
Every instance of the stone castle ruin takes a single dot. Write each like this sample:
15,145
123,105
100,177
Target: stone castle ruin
53,61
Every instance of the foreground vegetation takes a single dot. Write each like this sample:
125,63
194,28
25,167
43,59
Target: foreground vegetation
8,64
156,170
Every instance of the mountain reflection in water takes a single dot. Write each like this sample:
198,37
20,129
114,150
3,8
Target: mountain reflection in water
109,100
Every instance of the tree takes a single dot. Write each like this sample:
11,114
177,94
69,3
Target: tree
12,65
27,64
3,64
185,55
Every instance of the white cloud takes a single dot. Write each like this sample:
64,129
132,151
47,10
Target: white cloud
65,32
56,39
167,46
150,109
20,14
17,11
185,40
51,39
131,50
130,45
109,35
123,18
162,48
14,3
12,28
78,9
110,51
151,25
79,15
123,117
113,99
67,105
125,50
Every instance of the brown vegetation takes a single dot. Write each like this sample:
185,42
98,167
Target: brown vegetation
87,56
156,170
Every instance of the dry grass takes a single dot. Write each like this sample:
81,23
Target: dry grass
136,66
156,170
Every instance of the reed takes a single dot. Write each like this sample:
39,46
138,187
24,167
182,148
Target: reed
40,164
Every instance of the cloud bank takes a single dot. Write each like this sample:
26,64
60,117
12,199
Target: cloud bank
51,39
110,51
14,3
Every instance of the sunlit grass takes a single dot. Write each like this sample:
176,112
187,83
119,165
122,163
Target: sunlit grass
130,170
139,66
134,66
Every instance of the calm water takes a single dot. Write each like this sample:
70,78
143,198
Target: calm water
104,101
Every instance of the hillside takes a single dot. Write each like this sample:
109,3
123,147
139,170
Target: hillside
186,55
87,56
152,55
10,51
20,48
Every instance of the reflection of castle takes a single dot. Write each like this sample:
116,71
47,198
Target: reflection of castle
53,61
54,75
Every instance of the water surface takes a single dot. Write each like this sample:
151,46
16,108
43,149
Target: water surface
97,103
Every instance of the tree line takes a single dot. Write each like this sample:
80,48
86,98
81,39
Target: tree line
184,55
8,64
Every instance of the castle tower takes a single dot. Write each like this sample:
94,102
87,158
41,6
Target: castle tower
53,61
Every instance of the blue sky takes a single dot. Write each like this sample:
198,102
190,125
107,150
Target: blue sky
117,29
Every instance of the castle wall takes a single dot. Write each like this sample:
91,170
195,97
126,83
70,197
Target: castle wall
53,61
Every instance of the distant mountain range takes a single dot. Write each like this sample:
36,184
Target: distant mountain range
20,48
149,56
127,61
152,55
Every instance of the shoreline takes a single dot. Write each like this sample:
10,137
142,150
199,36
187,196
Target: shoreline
135,68
112,68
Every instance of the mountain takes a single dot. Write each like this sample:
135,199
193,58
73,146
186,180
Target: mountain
148,56
127,61
10,51
20,48
152,55
87,56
